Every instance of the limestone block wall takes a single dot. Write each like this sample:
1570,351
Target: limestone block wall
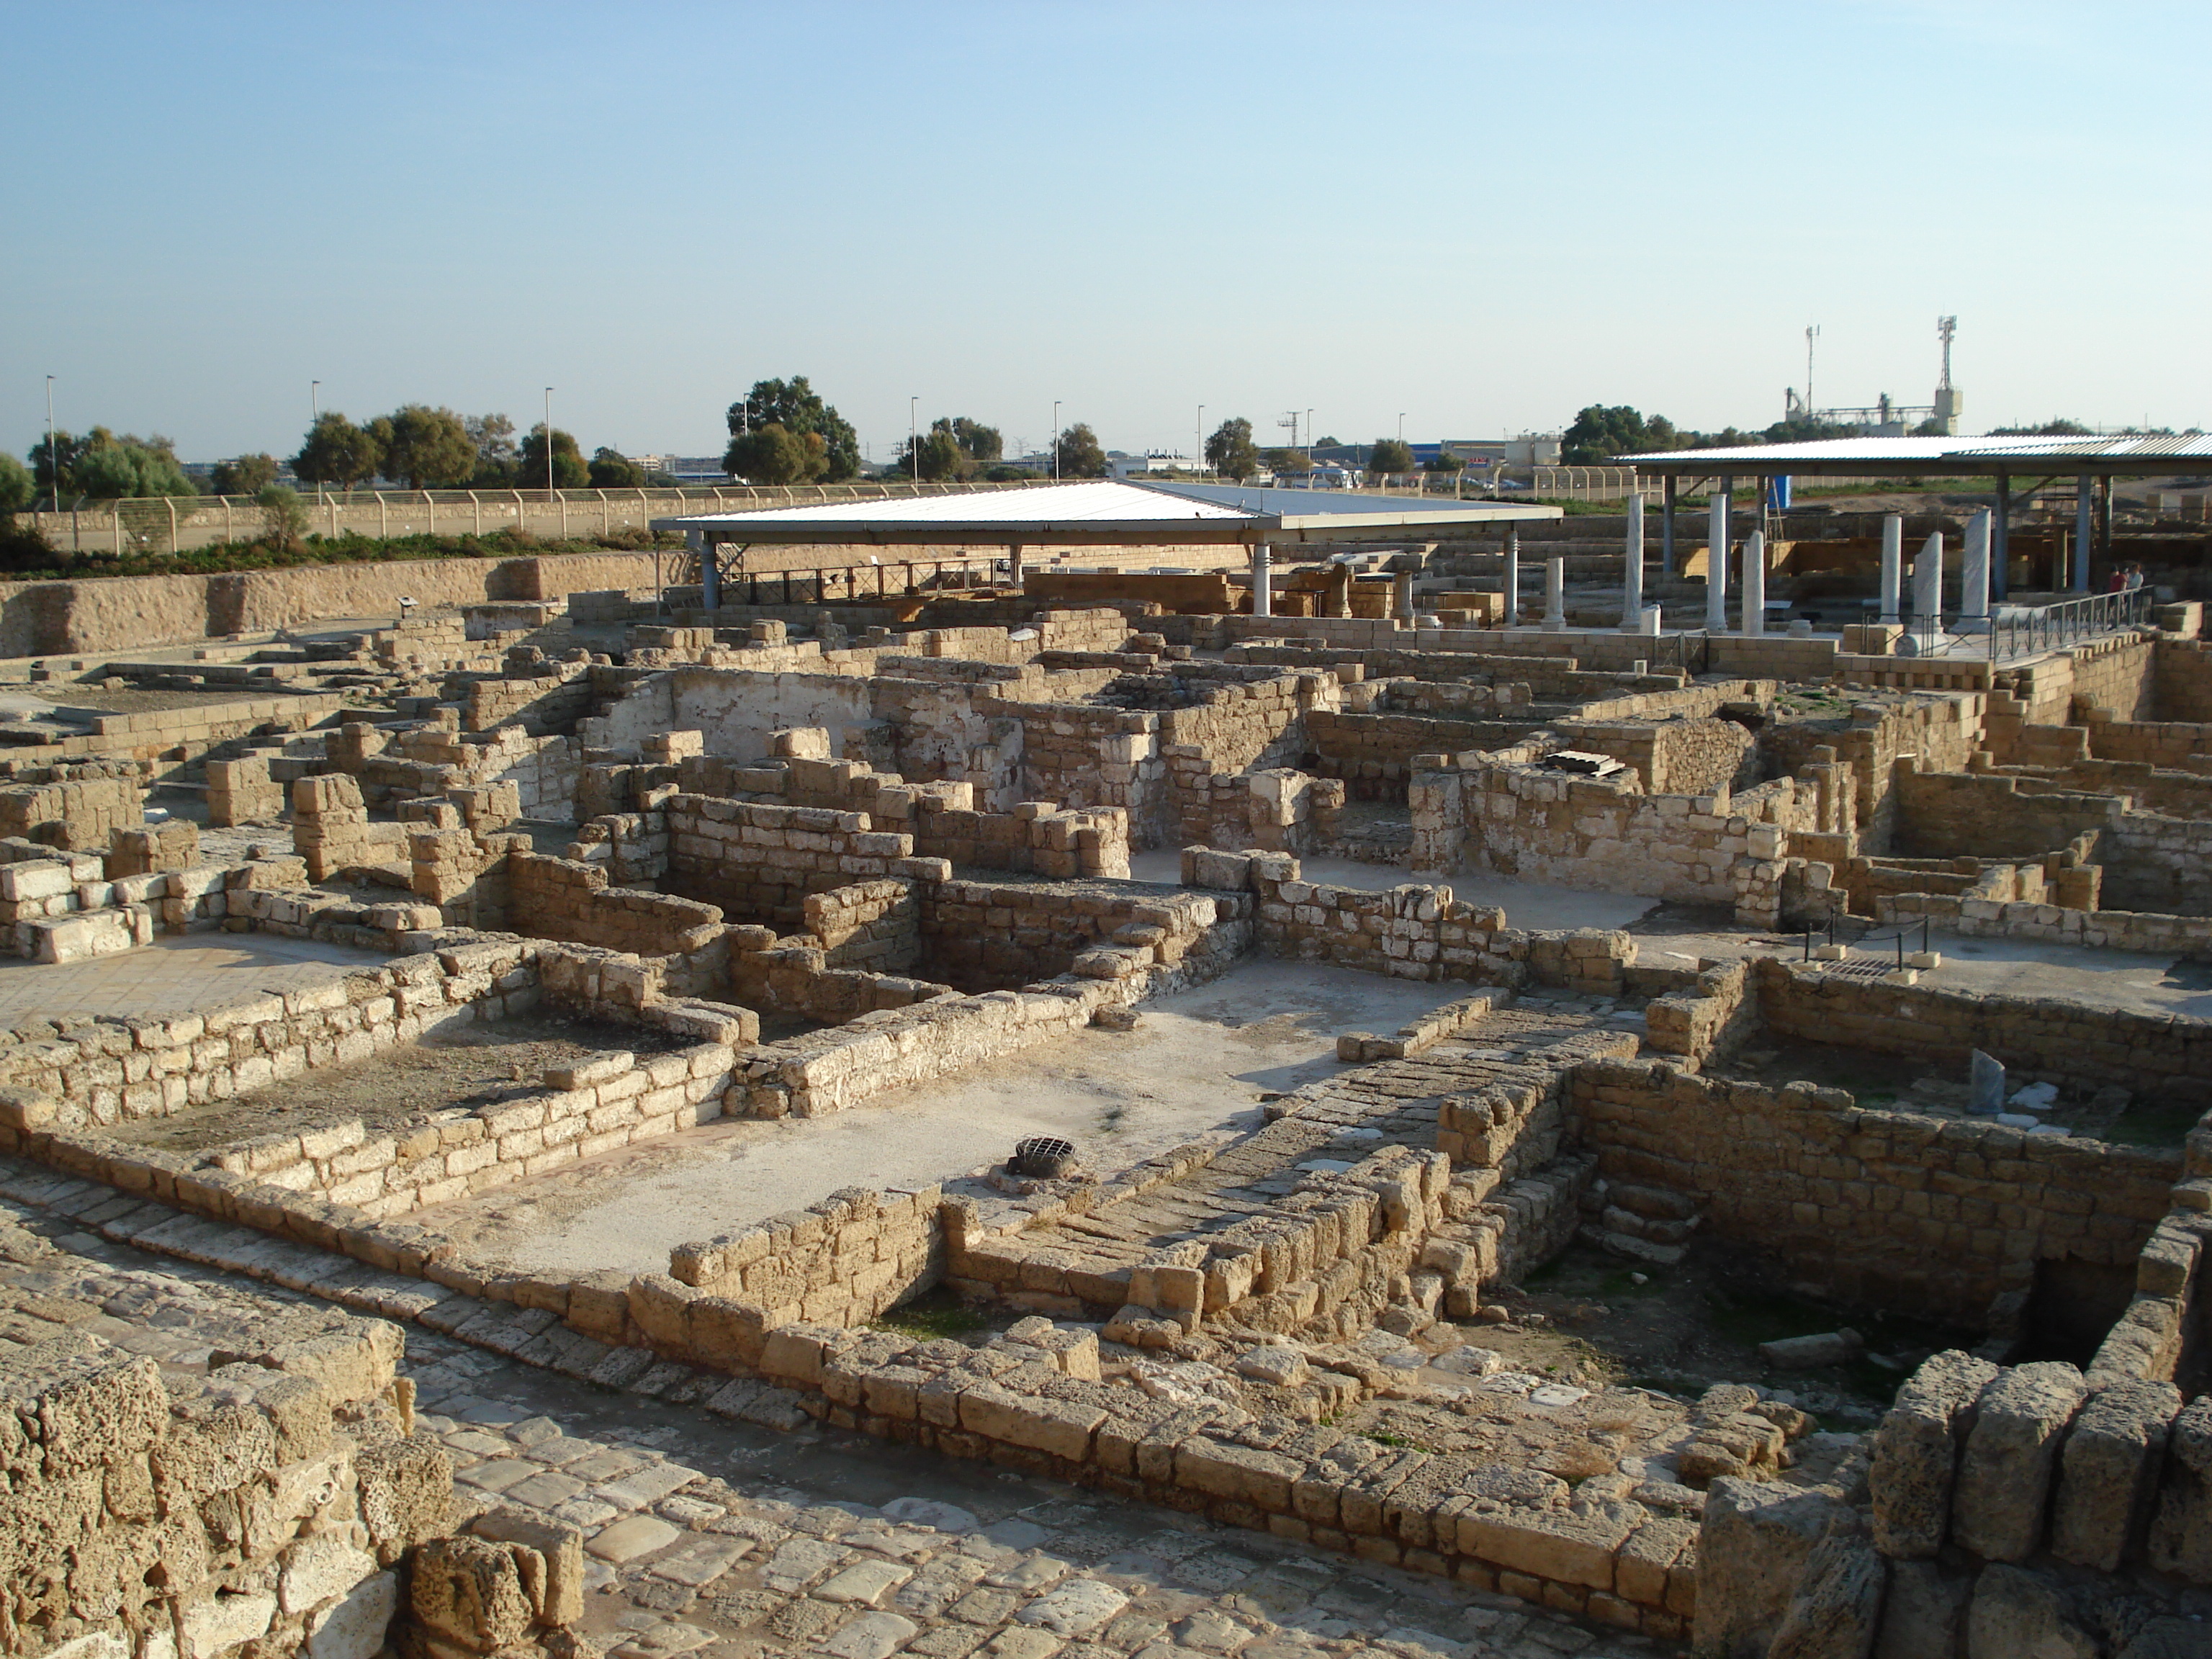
1412,932
1940,732
996,935
2179,745
1374,753
1990,815
2160,864
77,815
1877,1207
1507,816
759,863
1688,756
121,1071
2181,680
876,926
2189,937
120,1475
2161,1057
842,1262
564,899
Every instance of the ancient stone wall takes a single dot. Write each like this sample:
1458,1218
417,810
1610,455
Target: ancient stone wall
759,863
270,1506
2158,864
1413,932
78,815
564,899
1374,753
841,1262
989,936
875,926
2035,1039
1989,815
2182,682
1879,1208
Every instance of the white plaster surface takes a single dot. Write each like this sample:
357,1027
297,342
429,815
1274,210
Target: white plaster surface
1198,1060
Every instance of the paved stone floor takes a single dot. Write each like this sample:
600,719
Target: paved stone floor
174,974
725,1539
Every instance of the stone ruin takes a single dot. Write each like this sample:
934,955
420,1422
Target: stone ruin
914,844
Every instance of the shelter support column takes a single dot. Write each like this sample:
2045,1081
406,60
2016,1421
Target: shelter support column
1716,557
1928,583
1631,575
1263,579
1754,582
2104,518
2001,541
1893,567
710,572
1555,595
2084,512
1512,579
1667,529
1014,564
1974,571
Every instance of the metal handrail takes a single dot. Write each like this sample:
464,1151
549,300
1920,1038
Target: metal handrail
1867,937
2019,632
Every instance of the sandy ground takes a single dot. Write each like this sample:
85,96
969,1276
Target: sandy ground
1200,1060
1526,903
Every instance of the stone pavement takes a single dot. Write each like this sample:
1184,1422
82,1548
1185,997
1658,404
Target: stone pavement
174,974
726,1539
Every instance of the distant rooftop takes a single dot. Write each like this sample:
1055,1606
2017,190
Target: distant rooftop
1936,456
1100,511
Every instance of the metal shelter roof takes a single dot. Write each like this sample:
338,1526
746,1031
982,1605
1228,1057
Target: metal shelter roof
1103,512
1937,457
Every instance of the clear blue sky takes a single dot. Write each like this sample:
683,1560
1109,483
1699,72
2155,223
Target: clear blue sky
1483,215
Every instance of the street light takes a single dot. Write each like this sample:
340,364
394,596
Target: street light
53,456
1401,426
314,419
1056,440
548,443
1201,456
913,437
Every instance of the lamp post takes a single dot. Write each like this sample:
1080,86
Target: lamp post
1401,426
1056,440
1201,456
913,437
314,419
548,443
53,456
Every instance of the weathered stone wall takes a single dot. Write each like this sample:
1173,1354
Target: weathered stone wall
2064,1041
2158,864
1989,815
841,1262
1374,753
759,863
992,936
1413,932
563,899
2182,682
268,1506
1877,1207
876,926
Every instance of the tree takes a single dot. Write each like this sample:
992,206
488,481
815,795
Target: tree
1285,460
978,442
569,469
117,468
429,448
612,469
944,457
248,475
283,519
1078,454
1600,432
1443,461
773,454
2053,429
336,452
1325,443
1230,451
18,489
492,435
67,448
1390,456
792,405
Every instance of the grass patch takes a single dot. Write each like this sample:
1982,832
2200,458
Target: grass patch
933,1315
2148,1125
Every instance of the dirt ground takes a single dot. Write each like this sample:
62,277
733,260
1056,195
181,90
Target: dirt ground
474,1067
1590,1319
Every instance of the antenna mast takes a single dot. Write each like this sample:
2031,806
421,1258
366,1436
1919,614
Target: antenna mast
1811,333
1945,327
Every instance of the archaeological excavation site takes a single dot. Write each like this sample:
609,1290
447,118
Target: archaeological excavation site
975,1099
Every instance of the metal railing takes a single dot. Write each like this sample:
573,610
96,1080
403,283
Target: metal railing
2018,632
